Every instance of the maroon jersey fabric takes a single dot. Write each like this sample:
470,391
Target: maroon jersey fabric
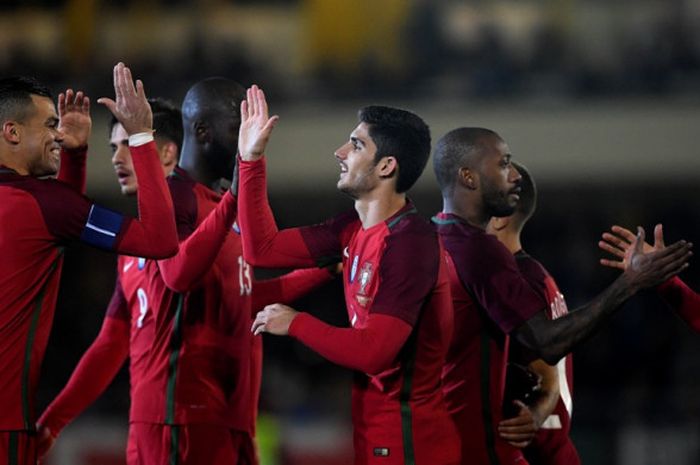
148,319
490,298
38,218
552,445
683,299
398,413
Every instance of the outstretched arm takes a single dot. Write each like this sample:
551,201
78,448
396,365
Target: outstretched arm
263,243
289,287
75,124
94,372
684,300
153,235
198,252
552,339
371,349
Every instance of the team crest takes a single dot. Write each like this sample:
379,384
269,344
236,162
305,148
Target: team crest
365,276
142,263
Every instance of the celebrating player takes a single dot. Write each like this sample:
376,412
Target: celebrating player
551,445
679,296
493,300
399,312
40,216
195,367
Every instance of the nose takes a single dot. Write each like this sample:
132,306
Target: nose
515,176
118,155
341,153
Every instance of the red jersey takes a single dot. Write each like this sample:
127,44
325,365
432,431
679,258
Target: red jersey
192,356
398,312
490,299
38,218
684,300
552,445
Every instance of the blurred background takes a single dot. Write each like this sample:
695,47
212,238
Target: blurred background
599,98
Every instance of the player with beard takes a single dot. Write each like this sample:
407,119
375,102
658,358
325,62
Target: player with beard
493,302
194,366
551,410
41,216
398,312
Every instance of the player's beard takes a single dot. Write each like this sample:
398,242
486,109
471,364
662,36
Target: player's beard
497,203
359,184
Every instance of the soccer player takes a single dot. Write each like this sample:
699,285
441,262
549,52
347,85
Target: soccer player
684,300
492,299
551,444
194,366
399,311
40,216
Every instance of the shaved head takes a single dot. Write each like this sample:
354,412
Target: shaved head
459,148
213,97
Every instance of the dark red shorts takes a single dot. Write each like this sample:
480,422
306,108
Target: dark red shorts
151,444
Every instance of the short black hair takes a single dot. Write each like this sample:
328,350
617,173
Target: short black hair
453,151
528,195
167,121
400,134
16,97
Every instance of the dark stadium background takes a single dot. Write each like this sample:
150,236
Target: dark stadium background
600,99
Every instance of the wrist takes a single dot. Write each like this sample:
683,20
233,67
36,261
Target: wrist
250,156
140,138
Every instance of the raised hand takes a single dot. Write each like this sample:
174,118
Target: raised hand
74,119
520,430
618,242
256,125
130,107
274,319
649,269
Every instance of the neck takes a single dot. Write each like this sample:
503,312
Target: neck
193,161
469,209
11,162
510,239
374,209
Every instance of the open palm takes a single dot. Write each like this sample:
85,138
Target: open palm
256,125
74,119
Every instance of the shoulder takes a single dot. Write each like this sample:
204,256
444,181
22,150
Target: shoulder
530,267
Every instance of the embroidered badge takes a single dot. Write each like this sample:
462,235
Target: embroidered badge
365,276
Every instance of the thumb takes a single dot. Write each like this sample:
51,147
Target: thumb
639,240
109,103
659,237
521,405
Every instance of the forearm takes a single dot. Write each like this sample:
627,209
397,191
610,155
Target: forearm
550,340
370,350
684,300
197,253
94,372
263,244
154,234
549,391
73,168
289,287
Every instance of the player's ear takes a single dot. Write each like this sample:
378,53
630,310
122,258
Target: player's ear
387,166
11,132
467,178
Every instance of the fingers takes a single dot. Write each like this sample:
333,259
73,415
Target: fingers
659,237
612,264
118,81
244,111
270,125
638,241
140,90
608,247
62,103
613,240
109,103
623,232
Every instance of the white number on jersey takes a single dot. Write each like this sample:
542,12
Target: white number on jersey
143,306
245,277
